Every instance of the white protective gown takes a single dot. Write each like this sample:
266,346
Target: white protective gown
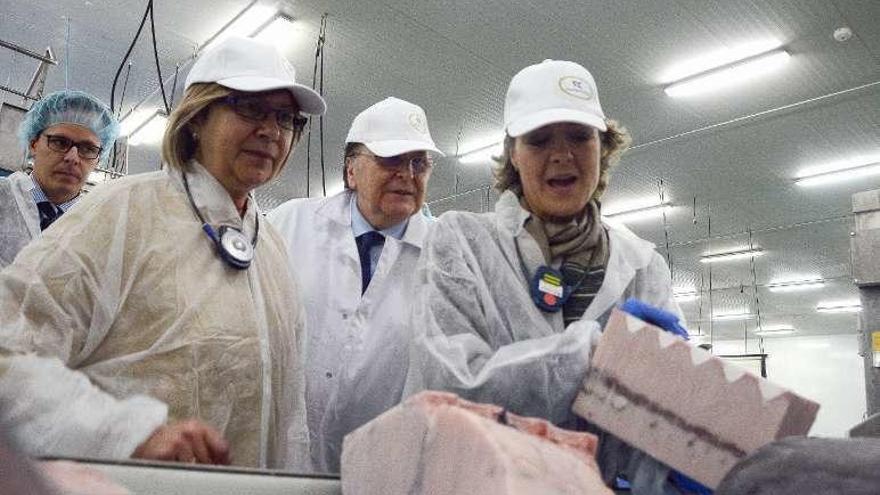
482,337
122,317
357,346
19,217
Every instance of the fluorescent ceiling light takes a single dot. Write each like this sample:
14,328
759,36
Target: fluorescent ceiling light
248,23
685,296
837,166
641,213
733,316
731,256
135,120
717,58
775,330
796,285
482,155
839,171
150,131
280,31
839,307
730,75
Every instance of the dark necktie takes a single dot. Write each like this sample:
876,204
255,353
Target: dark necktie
48,213
365,243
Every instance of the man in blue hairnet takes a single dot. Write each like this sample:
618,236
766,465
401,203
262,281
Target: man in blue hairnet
64,135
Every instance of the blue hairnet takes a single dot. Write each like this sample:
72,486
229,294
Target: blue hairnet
70,107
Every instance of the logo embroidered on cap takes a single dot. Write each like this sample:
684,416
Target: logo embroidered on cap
417,121
575,86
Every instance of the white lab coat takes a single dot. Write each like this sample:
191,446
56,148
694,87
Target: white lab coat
356,346
122,316
19,217
481,336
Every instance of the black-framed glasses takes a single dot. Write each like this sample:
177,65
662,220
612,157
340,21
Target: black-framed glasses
418,163
61,144
256,110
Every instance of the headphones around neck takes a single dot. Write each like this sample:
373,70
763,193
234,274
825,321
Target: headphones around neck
232,245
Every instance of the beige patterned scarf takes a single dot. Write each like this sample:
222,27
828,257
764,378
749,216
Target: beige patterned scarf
581,240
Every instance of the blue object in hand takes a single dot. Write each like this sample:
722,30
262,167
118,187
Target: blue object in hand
687,485
655,316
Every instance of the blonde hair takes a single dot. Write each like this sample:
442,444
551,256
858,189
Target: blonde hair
615,141
178,144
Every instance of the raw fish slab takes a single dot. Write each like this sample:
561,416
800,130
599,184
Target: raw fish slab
682,405
435,443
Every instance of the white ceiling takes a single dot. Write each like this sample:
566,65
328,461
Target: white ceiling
455,58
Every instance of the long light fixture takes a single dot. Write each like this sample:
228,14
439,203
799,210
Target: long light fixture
144,127
482,150
713,59
686,296
731,74
774,330
644,211
254,21
856,168
278,31
839,307
731,255
733,316
796,285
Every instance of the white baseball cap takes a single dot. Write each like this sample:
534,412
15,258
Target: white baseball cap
550,92
392,127
245,64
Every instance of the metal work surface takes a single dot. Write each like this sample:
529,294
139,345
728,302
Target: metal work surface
143,478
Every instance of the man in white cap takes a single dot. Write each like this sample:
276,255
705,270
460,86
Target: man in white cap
354,254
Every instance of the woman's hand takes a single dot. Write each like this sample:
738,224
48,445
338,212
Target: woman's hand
190,441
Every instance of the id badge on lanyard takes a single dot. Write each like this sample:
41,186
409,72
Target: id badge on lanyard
548,289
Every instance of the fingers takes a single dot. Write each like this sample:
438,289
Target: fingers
217,445
185,453
196,442
189,441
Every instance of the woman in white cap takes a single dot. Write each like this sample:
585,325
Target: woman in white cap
510,302
158,319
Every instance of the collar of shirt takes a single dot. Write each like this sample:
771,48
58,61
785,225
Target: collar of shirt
360,225
40,196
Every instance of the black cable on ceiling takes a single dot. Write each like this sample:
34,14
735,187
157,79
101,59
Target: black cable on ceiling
757,299
128,54
711,308
156,57
148,12
122,64
319,87
124,86
321,118
662,191
174,84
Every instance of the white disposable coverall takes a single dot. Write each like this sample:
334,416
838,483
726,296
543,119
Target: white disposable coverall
481,336
19,218
123,310
357,347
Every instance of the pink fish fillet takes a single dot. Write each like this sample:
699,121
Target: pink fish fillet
437,443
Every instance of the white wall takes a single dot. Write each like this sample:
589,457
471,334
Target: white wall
827,369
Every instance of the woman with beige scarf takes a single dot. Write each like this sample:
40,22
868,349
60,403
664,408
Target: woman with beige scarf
510,303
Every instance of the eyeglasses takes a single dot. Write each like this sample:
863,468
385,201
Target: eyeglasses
255,110
61,144
419,163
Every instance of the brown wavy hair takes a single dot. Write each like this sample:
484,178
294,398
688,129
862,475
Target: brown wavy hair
615,141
